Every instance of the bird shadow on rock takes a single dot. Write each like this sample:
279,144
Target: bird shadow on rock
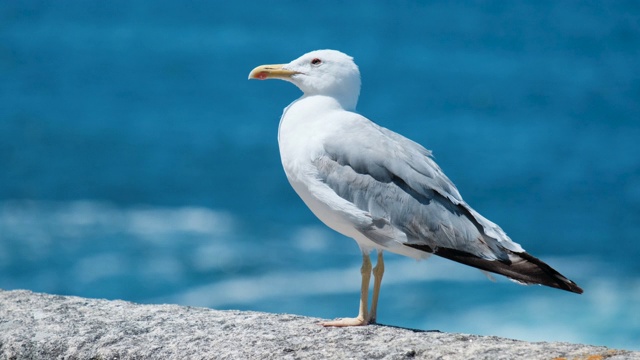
406,328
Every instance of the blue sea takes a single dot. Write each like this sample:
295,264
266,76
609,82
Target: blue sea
138,163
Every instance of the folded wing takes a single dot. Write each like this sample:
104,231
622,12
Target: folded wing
405,192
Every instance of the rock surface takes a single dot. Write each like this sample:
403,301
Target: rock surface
41,326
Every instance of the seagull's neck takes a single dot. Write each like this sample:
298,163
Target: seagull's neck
344,102
307,110
316,104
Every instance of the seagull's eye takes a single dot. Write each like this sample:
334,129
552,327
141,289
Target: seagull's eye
316,62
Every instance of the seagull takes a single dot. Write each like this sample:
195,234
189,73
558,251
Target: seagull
380,188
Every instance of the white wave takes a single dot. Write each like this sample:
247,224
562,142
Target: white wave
278,284
100,266
137,219
101,237
150,222
608,313
311,239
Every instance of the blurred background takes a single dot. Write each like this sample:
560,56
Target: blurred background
138,163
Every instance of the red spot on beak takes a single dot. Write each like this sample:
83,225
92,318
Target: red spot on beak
262,75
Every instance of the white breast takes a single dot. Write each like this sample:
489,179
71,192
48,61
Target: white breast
304,126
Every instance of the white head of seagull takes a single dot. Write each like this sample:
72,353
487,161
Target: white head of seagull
321,72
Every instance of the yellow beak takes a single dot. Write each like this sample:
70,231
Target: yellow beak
264,72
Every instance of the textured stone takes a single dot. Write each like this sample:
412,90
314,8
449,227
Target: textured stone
41,326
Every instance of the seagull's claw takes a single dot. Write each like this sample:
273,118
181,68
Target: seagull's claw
345,322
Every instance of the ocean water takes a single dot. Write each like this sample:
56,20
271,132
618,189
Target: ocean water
138,163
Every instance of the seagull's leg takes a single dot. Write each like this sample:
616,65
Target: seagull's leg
362,318
378,271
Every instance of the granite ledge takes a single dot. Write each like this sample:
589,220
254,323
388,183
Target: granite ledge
42,326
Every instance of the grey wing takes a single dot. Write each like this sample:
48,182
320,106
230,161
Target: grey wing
412,202
395,180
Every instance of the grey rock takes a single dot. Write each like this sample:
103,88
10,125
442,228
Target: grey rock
42,326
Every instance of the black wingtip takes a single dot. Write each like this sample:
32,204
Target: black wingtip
556,279
521,267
